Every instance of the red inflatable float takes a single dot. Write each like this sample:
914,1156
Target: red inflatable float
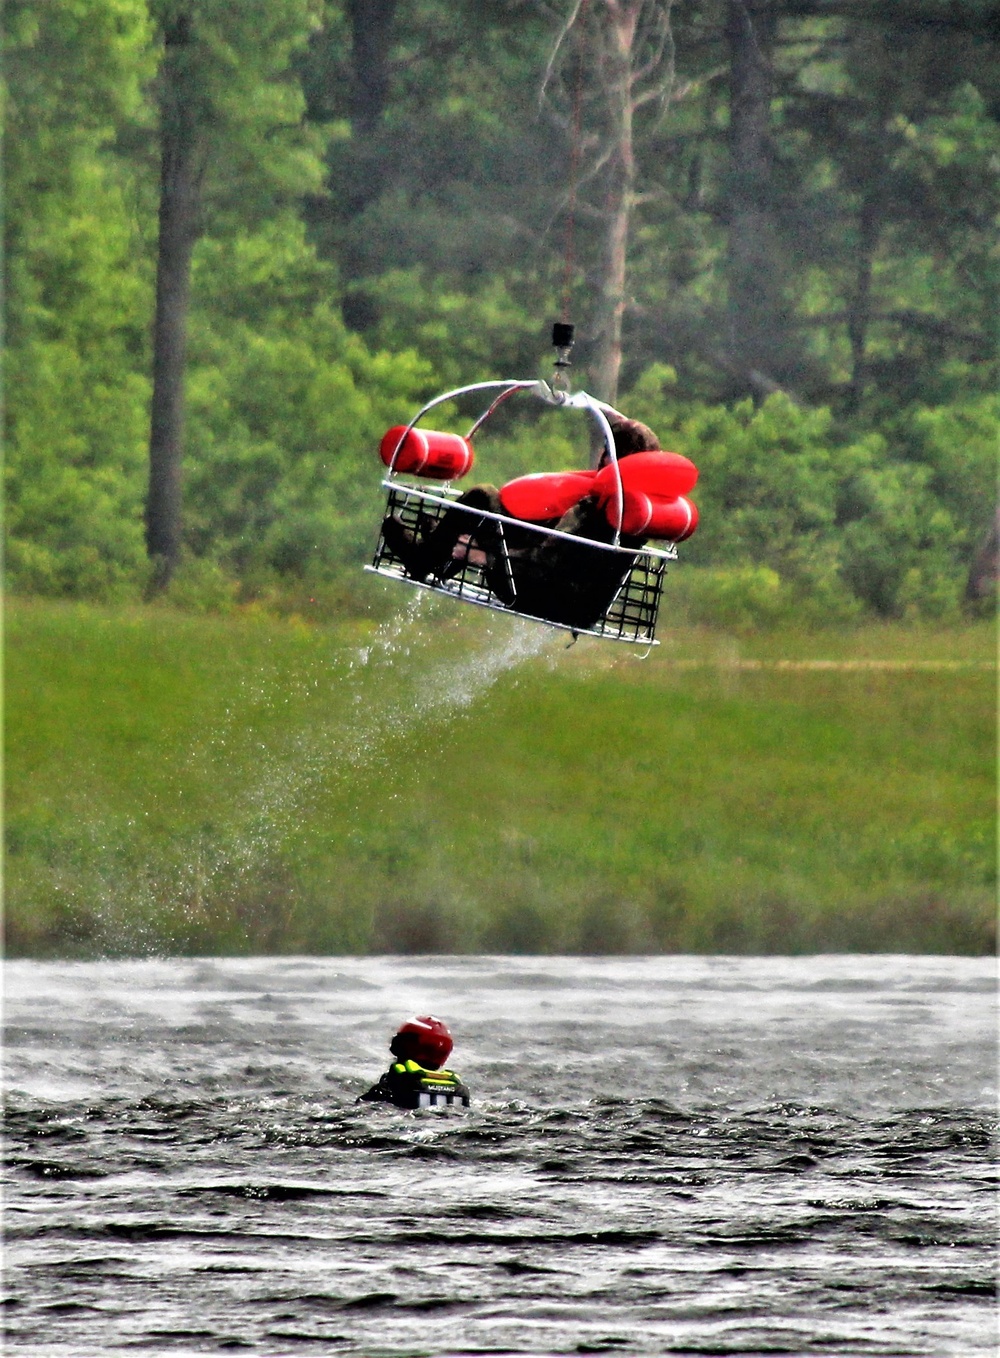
654,516
427,452
545,495
654,484
548,495
660,473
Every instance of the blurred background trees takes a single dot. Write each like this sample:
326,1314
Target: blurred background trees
775,223
231,143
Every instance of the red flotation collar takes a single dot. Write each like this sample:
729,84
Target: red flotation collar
654,486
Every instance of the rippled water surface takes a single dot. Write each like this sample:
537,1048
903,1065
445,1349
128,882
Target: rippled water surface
671,1155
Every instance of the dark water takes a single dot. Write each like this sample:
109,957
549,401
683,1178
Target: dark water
678,1155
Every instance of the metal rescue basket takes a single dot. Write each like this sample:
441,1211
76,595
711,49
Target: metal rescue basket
488,575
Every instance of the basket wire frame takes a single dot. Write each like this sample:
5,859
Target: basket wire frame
629,617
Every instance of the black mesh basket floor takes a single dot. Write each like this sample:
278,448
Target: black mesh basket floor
490,580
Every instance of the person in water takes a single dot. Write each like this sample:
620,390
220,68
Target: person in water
417,1078
553,578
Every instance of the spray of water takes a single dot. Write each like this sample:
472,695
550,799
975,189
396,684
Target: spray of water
458,683
390,689
359,708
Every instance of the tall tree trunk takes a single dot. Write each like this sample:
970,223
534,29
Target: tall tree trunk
754,313
985,569
607,360
371,40
372,28
178,229
859,310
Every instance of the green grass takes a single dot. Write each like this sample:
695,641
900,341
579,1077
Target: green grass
207,784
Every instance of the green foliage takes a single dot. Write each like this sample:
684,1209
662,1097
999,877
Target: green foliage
286,408
743,599
236,67
200,585
950,166
78,297
837,523
467,335
959,443
351,265
899,544
768,489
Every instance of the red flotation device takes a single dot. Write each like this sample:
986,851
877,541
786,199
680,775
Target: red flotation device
654,483
654,516
427,452
654,486
655,473
545,495
548,495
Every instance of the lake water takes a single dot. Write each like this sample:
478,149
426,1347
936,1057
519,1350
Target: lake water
665,1155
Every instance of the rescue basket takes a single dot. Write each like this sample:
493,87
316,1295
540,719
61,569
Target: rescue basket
496,565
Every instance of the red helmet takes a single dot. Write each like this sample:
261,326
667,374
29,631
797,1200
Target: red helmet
425,1040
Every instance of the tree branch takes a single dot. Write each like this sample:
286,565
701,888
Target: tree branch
915,320
954,17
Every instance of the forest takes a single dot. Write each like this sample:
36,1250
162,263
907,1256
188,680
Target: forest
244,239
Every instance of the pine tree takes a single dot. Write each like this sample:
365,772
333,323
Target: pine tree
230,129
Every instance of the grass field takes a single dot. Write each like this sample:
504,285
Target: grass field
455,781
